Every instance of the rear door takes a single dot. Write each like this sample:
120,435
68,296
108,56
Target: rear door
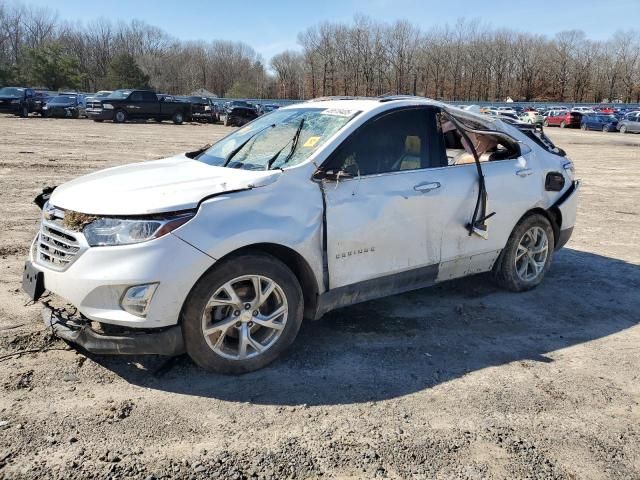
512,189
150,105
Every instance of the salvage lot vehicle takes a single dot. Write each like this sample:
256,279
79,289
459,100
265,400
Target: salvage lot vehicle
562,119
531,117
604,123
202,108
630,123
70,106
122,105
238,116
17,100
223,251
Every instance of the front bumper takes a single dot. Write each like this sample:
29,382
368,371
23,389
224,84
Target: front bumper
167,341
60,111
99,114
98,277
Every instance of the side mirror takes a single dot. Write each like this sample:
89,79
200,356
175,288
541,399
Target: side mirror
330,176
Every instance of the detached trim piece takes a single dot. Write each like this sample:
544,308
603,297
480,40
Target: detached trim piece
167,342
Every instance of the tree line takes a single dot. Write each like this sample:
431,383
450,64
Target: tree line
464,62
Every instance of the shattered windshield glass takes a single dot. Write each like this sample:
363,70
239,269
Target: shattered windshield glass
283,137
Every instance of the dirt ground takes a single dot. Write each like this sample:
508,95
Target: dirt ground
458,381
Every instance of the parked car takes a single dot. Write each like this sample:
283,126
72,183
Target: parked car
605,123
531,116
238,116
221,252
583,110
269,107
202,108
17,100
123,105
630,123
66,105
562,119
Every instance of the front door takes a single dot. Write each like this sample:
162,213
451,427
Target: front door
381,221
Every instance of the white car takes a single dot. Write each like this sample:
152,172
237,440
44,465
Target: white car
223,251
583,110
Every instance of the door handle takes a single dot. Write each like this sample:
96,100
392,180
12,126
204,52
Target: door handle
524,172
426,187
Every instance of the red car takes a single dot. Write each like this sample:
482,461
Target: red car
562,118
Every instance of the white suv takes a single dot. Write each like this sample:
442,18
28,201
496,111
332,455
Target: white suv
223,251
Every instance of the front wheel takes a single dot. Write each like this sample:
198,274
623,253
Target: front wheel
178,118
605,129
242,314
583,127
24,112
623,129
120,116
527,255
562,124
545,123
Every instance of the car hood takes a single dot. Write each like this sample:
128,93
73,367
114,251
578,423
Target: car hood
167,185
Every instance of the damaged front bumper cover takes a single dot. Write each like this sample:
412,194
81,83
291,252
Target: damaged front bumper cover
167,342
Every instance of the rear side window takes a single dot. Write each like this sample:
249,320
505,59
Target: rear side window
149,97
136,97
393,142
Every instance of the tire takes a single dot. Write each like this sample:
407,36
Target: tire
76,114
623,129
605,129
178,118
226,122
239,319
24,111
120,116
562,124
584,127
506,271
545,123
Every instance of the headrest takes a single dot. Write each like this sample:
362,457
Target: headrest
412,145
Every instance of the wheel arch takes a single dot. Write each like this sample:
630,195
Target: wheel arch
292,259
552,214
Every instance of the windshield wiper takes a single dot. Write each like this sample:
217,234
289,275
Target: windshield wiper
294,145
241,146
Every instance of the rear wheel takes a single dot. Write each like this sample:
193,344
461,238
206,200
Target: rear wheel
226,122
562,124
583,126
24,112
623,129
605,129
178,118
545,123
242,314
120,116
527,256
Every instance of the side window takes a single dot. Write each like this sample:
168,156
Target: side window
149,97
136,97
459,151
393,142
29,93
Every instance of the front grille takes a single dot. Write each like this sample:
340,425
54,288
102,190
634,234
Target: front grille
56,248
94,105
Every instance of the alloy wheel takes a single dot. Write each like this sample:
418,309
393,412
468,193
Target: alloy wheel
245,317
531,254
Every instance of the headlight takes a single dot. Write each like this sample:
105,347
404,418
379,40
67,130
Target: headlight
569,168
117,231
45,107
107,106
207,108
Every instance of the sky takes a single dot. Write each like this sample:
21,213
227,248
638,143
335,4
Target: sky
272,26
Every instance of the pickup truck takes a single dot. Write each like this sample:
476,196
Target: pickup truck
17,100
123,105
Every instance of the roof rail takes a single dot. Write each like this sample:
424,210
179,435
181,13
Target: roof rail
339,97
389,97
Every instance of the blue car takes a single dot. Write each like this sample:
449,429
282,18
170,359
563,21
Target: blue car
604,123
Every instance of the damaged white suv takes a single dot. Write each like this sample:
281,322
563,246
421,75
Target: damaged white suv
223,251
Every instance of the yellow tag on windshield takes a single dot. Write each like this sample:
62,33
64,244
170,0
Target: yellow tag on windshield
311,142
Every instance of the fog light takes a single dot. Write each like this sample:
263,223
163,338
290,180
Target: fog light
136,299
